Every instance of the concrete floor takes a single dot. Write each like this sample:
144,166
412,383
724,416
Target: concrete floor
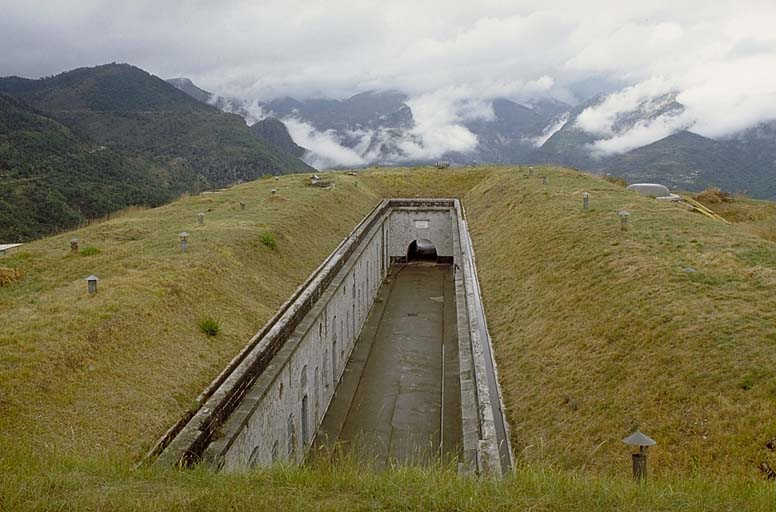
399,399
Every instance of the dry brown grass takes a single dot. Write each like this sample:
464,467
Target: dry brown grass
714,195
9,275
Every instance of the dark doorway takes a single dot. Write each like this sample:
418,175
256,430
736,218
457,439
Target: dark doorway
421,250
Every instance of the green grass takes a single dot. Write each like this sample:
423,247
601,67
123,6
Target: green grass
269,240
596,331
209,326
89,251
53,483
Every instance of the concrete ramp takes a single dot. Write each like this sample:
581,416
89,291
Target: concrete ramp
399,400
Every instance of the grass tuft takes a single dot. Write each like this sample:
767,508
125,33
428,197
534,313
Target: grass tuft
616,180
714,195
209,326
269,240
90,251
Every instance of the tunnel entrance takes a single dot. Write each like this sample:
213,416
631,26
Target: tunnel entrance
422,250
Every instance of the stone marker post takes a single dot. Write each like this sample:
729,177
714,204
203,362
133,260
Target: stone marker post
91,284
624,214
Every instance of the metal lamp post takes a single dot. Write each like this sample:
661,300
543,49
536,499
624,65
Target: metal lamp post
640,458
184,241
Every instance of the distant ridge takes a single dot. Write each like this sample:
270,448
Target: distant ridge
187,86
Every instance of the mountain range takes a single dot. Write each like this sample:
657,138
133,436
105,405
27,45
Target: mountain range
90,141
377,126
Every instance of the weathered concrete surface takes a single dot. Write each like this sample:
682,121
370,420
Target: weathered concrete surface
413,223
400,398
268,403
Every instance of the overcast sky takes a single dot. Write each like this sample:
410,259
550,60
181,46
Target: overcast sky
720,56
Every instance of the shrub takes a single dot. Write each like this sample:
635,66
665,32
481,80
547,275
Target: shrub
713,195
616,180
9,275
269,240
209,326
89,251
746,383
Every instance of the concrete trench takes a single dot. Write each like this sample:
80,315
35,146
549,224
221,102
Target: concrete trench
382,356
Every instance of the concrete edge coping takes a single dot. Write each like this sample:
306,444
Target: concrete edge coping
489,459
481,305
470,425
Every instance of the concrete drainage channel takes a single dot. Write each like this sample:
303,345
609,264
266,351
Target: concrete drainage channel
371,347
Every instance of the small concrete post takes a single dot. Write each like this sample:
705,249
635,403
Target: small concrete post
545,179
91,284
184,241
274,191
530,171
201,218
74,245
586,201
624,219
640,458
242,205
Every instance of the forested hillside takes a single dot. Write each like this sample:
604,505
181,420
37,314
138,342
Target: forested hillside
51,179
93,140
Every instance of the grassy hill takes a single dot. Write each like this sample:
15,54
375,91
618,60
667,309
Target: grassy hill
668,326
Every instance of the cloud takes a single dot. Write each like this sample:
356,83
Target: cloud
717,56
324,148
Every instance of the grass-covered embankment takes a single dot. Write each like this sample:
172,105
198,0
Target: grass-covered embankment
668,326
